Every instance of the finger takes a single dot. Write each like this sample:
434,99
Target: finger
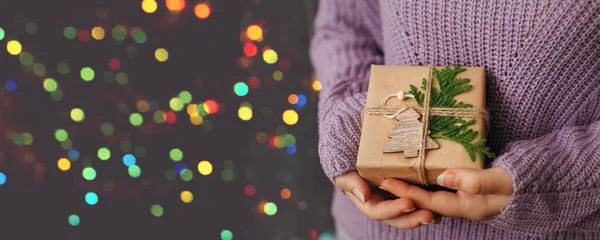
353,183
379,209
442,202
488,181
414,219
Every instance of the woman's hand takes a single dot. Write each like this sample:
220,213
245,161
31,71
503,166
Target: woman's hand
481,195
400,213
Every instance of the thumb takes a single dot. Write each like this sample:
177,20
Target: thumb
488,181
351,182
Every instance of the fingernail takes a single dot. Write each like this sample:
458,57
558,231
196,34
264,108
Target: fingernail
409,210
381,187
447,180
358,195
425,223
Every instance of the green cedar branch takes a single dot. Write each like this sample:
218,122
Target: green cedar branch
450,127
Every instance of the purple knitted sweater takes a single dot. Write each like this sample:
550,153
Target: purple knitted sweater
543,71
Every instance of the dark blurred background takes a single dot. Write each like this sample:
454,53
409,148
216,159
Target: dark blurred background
105,137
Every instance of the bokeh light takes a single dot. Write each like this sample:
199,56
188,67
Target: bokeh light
77,114
290,117
2,178
91,198
14,47
175,5
134,171
185,97
156,210
226,235
89,173
62,68
270,56
176,154
149,6
87,74
73,220
249,190
70,33
250,49
11,85
202,10
286,193
245,112
316,85
240,89
176,104
186,175
2,33
254,32
205,167
64,164
107,129
186,196
161,54
293,99
50,85
119,33
136,119
103,154
129,160
98,33
270,208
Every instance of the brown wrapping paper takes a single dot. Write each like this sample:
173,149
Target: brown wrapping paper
374,165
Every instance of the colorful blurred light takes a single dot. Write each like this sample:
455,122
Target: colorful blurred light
103,154
250,49
136,119
70,33
186,196
73,220
77,114
161,54
176,154
89,173
202,10
240,89
129,160
226,235
107,129
91,198
249,190
245,112
176,104
134,171
290,117
254,32
50,85
87,74
64,164
14,47
2,178
98,33
185,97
270,208
205,167
156,210
149,6
286,193
270,56
175,5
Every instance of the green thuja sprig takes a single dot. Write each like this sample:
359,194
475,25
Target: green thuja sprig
450,127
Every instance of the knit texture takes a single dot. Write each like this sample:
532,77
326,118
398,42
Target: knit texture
543,95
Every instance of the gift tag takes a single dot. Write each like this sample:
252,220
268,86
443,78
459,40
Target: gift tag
406,135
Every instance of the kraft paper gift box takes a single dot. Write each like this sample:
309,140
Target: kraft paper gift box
374,165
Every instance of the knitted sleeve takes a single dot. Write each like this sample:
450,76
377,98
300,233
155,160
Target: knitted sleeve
342,51
557,182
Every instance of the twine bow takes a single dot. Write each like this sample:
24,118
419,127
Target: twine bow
426,111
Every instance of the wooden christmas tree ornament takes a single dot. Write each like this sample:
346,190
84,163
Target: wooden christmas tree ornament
406,135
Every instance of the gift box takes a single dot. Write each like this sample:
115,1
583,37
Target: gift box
399,98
